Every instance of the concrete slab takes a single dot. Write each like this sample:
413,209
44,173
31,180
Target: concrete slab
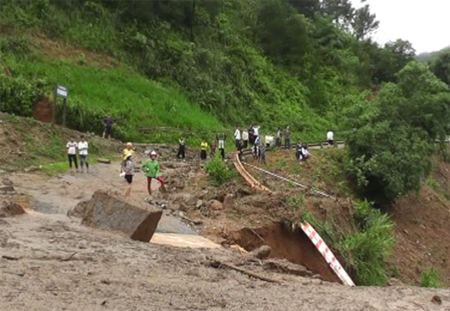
182,240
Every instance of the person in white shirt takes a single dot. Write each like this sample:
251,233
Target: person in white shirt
256,131
83,153
237,137
304,153
221,141
330,137
245,138
71,150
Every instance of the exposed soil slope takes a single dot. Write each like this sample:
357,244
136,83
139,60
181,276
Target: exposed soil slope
422,219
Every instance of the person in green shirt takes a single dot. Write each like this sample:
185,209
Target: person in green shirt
151,170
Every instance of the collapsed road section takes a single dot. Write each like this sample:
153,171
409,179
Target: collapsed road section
313,237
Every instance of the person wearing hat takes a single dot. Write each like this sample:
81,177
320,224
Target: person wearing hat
129,172
128,150
151,170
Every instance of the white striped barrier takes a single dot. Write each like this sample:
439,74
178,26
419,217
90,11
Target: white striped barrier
326,253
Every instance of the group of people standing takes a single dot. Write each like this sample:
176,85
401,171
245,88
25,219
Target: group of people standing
150,168
81,148
286,133
242,140
218,143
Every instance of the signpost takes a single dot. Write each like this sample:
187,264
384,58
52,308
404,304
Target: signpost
60,91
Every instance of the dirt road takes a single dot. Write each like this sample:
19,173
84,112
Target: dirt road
56,264
48,261
59,194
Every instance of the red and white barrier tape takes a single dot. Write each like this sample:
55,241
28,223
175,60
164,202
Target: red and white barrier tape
326,253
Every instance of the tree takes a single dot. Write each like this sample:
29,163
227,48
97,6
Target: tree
391,138
307,7
364,23
387,62
441,66
282,32
340,11
402,48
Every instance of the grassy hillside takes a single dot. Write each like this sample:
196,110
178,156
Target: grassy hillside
98,87
28,144
231,59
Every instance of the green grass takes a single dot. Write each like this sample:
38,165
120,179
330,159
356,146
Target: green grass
432,183
54,168
224,84
363,248
296,201
39,146
429,278
136,102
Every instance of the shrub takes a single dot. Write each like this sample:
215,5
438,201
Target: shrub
429,278
366,248
218,172
18,94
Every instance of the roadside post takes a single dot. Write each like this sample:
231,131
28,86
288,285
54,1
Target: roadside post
60,91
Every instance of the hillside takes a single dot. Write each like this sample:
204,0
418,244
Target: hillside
30,145
412,242
430,56
195,65
99,86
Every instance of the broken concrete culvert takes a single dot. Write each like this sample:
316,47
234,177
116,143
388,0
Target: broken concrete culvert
109,210
277,242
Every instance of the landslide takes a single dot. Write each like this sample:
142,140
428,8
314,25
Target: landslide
421,219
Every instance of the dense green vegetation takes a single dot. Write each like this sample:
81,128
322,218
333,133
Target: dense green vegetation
440,66
365,246
274,62
133,101
390,140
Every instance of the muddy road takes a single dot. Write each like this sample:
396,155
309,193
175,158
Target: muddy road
48,261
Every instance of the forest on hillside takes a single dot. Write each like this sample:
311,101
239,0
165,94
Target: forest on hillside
275,62
310,64
429,56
